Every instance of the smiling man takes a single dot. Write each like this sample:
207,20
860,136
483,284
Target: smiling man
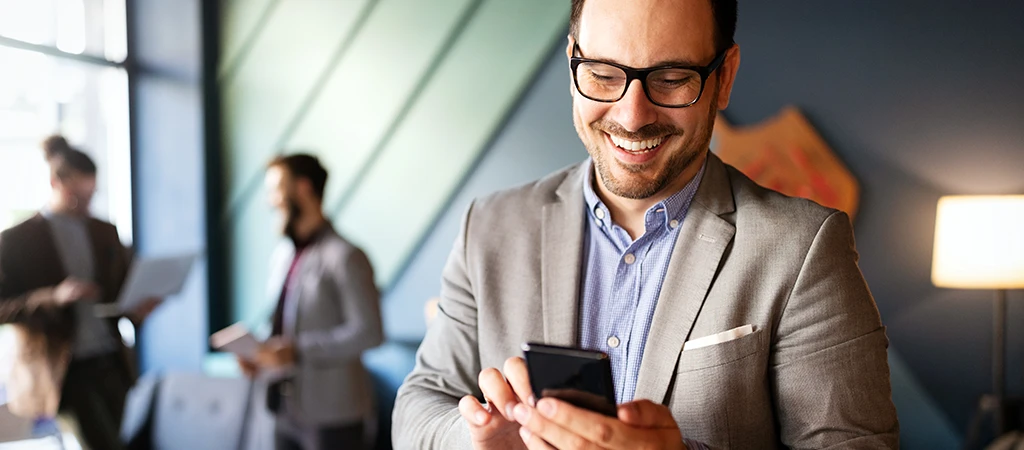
733,316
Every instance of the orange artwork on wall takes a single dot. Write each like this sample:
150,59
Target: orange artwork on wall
786,154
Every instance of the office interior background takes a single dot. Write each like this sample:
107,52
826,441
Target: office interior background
416,107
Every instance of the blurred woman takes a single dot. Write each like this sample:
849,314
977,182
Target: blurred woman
54,268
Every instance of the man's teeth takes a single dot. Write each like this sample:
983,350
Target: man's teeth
637,146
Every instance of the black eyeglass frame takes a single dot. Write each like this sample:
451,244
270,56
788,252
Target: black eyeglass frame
642,74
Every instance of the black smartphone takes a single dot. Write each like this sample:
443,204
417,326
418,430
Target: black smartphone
580,377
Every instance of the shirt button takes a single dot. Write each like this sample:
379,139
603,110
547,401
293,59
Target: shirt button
599,213
600,223
629,258
613,342
674,223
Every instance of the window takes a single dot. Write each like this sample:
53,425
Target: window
62,71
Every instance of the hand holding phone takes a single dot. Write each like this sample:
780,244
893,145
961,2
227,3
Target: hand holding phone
580,377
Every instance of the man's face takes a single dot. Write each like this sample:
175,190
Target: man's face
641,34
282,197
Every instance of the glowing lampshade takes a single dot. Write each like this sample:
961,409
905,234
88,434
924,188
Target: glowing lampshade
979,242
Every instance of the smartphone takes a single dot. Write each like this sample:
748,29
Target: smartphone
580,377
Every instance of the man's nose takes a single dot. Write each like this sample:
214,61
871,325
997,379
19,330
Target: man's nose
634,110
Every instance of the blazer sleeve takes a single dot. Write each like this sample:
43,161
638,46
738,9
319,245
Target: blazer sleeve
360,303
829,371
19,307
426,412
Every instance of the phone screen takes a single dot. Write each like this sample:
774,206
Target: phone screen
580,377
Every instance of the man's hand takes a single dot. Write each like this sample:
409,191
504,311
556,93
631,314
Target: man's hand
249,368
275,352
72,290
557,424
147,307
494,426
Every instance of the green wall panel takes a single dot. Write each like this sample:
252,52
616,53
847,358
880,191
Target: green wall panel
240,24
370,86
271,84
449,125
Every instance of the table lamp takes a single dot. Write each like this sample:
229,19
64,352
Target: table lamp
979,244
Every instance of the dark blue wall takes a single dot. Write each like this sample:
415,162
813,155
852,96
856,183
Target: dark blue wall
920,99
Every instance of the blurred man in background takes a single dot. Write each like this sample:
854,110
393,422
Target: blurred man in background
327,314
54,267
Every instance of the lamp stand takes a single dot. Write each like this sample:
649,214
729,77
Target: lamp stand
994,404
999,360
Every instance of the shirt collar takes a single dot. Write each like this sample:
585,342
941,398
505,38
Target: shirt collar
672,208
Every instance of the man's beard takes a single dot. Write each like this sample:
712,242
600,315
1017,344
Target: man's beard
639,186
291,219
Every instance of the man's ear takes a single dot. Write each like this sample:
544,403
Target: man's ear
727,75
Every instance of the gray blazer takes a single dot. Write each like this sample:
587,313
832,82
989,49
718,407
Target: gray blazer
333,315
813,374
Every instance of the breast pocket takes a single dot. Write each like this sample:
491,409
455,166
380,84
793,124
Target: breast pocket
720,393
720,354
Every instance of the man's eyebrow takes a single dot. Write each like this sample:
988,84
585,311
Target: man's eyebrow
671,62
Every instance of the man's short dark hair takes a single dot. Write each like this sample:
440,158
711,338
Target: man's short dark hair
725,21
301,165
65,160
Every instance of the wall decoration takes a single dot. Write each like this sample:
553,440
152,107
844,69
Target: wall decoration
785,153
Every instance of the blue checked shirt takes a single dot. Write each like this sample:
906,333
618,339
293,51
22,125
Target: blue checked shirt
623,277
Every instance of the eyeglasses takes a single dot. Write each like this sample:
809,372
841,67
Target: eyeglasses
668,86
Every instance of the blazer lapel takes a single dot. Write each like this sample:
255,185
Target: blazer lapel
695,259
561,260
307,267
103,259
48,269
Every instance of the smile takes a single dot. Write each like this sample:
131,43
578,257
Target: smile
637,147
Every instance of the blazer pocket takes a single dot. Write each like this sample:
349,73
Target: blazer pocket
720,354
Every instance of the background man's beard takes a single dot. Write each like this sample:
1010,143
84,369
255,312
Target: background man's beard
291,219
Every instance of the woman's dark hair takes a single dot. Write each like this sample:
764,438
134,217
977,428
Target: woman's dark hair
64,159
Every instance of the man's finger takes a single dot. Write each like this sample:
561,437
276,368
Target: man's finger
497,391
542,429
646,414
519,378
474,412
533,441
592,427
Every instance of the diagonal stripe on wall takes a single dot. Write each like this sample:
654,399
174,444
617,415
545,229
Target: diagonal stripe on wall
288,57
241,23
418,170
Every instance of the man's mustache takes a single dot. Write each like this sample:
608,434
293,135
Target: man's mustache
650,131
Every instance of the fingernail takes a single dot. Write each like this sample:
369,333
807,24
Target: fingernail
524,433
510,411
533,401
627,412
481,418
546,408
522,413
